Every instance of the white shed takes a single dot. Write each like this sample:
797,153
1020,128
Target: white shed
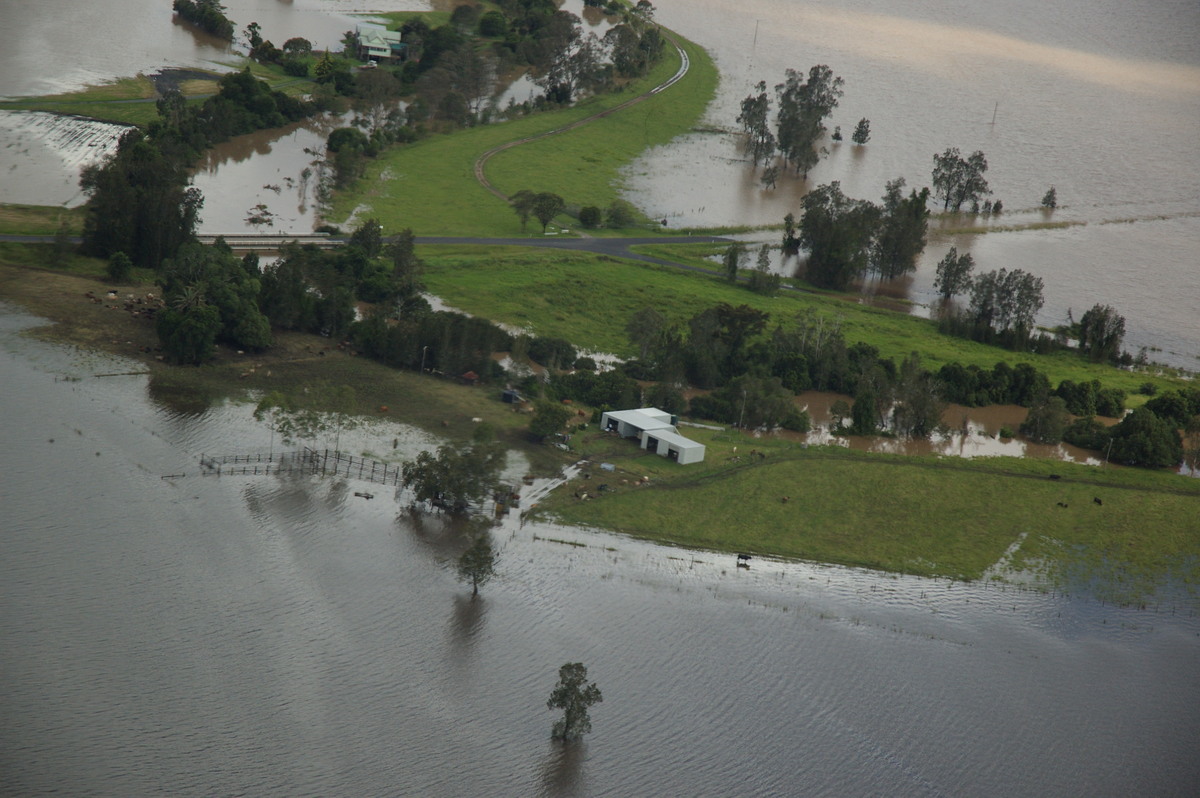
673,446
655,432
632,423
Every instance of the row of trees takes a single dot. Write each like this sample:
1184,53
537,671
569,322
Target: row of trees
208,15
1148,437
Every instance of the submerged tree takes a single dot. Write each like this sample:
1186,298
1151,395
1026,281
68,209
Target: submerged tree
573,695
958,180
837,232
954,274
862,131
477,564
1101,331
455,477
755,121
803,105
900,237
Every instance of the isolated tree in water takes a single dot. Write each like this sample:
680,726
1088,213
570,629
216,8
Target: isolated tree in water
862,131
477,564
954,274
958,180
573,695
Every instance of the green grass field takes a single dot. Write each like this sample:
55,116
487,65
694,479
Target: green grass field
430,186
921,515
588,300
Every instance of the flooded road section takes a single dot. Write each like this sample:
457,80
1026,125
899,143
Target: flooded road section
281,636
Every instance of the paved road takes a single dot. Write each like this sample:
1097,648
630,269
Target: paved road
612,247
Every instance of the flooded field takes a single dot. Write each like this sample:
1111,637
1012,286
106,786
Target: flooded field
1074,91
41,155
281,636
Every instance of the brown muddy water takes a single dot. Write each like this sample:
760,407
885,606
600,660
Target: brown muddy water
1101,101
970,432
280,636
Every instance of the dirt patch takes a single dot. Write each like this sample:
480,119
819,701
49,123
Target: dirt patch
182,80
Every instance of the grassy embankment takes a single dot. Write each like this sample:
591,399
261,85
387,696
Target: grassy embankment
430,186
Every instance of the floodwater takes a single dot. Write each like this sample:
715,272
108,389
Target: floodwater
280,636
278,169
971,432
41,155
1101,101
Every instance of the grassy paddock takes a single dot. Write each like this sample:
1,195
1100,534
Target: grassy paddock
16,219
430,186
921,515
588,300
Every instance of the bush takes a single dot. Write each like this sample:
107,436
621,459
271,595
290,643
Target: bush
1144,439
493,25
1086,433
621,214
590,217
552,352
347,138
119,268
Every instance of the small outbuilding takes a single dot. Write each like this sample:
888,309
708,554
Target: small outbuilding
655,432
673,446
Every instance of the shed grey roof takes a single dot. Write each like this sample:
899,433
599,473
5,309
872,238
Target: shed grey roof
672,438
645,418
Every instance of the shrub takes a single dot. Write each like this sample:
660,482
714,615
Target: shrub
590,217
1086,433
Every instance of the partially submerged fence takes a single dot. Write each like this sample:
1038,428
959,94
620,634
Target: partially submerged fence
323,462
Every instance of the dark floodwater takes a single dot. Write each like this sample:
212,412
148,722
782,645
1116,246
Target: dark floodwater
276,636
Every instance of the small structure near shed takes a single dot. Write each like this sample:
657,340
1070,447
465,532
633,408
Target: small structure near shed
655,431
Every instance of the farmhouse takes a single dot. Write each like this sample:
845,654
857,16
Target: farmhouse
655,432
377,43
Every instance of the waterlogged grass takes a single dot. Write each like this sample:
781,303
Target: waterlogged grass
430,186
588,299
922,515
